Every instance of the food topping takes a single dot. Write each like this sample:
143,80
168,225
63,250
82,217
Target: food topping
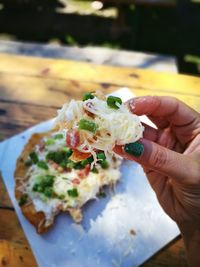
114,102
88,125
98,123
88,96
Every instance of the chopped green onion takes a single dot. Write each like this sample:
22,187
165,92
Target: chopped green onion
113,100
78,166
48,180
88,125
88,96
23,199
87,161
68,151
50,142
35,188
58,136
61,197
59,156
55,156
94,170
104,164
73,192
42,165
70,164
34,157
101,156
40,188
48,192
44,182
28,162
63,164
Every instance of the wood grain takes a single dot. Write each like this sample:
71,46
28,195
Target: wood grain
32,89
172,255
45,92
85,72
15,118
14,248
5,201
13,254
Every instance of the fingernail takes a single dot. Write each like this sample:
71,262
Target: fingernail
131,104
136,149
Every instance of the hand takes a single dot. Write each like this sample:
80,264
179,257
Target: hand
170,157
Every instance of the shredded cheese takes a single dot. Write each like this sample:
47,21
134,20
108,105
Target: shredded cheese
88,187
115,126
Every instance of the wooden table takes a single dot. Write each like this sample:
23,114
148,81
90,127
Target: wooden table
31,89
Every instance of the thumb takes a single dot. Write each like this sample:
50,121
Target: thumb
156,157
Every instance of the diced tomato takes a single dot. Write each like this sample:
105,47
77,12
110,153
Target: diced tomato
73,138
84,172
76,181
79,156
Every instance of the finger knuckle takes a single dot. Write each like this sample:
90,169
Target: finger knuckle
159,158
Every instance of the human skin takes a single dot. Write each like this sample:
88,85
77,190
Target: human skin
170,157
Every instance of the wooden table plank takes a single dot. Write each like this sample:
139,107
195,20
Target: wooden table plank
14,248
13,254
15,118
54,92
4,198
173,255
84,72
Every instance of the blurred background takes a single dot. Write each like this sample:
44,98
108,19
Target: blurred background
164,27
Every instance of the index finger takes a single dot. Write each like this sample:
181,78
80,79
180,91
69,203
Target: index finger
168,108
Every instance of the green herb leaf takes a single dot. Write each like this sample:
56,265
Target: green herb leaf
104,164
50,142
94,170
88,96
112,101
58,136
61,197
43,182
88,125
48,192
70,164
34,157
48,180
101,156
63,164
42,165
59,156
78,166
35,187
23,200
87,161
68,151
73,192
